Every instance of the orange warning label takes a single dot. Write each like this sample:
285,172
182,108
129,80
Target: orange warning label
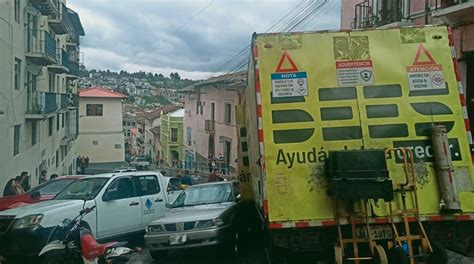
425,74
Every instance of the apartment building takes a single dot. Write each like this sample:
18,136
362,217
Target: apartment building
171,138
457,14
101,127
210,123
39,62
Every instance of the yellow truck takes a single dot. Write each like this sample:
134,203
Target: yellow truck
311,93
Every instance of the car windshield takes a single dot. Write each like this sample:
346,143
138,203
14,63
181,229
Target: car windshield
84,189
206,194
51,187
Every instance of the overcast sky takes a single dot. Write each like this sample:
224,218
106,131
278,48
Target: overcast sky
152,35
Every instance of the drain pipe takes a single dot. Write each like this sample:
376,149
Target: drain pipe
444,170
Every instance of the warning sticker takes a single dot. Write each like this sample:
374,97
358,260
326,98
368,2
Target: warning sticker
355,72
425,77
425,74
289,84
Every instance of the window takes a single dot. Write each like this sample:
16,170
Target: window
133,123
16,140
94,109
58,119
188,135
51,82
34,133
62,120
17,74
17,11
213,111
124,123
95,143
118,146
119,189
227,113
50,126
174,134
57,158
148,185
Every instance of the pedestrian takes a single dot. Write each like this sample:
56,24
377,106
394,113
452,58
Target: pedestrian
18,187
53,176
86,160
9,189
186,179
209,162
196,177
214,176
43,177
25,181
83,165
163,172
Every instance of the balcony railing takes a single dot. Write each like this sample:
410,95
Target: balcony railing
447,3
367,16
41,103
209,126
64,101
60,22
62,65
41,47
46,7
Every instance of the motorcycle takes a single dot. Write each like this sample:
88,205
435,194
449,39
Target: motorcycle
71,241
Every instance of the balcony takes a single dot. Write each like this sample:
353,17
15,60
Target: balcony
62,65
41,48
209,126
46,7
73,101
59,22
366,16
41,105
454,12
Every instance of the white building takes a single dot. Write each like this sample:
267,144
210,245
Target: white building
39,62
100,124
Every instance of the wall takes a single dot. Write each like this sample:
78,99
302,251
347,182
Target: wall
42,155
106,129
168,122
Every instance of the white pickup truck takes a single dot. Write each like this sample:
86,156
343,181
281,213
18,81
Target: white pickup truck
140,163
125,203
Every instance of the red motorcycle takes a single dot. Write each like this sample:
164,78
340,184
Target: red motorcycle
72,242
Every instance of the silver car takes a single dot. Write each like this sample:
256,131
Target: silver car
202,215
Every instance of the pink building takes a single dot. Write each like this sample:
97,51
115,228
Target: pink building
458,14
210,122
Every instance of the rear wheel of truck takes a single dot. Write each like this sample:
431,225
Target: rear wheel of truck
396,255
380,257
439,254
158,254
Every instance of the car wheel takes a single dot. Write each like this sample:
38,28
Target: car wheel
158,254
439,254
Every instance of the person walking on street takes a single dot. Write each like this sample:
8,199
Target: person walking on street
214,176
18,188
196,177
9,189
186,179
53,176
83,165
43,177
25,178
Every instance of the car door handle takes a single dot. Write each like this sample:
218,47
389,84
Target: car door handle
157,200
134,203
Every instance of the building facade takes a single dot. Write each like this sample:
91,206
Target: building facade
39,64
457,14
210,123
171,138
101,126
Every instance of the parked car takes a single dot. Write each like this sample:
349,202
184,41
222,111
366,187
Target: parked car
140,163
42,192
125,203
124,169
202,215
173,187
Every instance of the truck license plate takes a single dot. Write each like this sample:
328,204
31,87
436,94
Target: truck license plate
380,232
178,239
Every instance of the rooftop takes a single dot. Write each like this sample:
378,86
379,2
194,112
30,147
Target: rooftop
231,80
100,92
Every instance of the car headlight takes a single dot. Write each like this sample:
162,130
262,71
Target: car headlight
154,229
28,221
210,223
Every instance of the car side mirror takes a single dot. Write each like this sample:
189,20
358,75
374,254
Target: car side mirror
168,205
237,198
35,195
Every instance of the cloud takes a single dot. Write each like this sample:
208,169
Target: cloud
149,34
